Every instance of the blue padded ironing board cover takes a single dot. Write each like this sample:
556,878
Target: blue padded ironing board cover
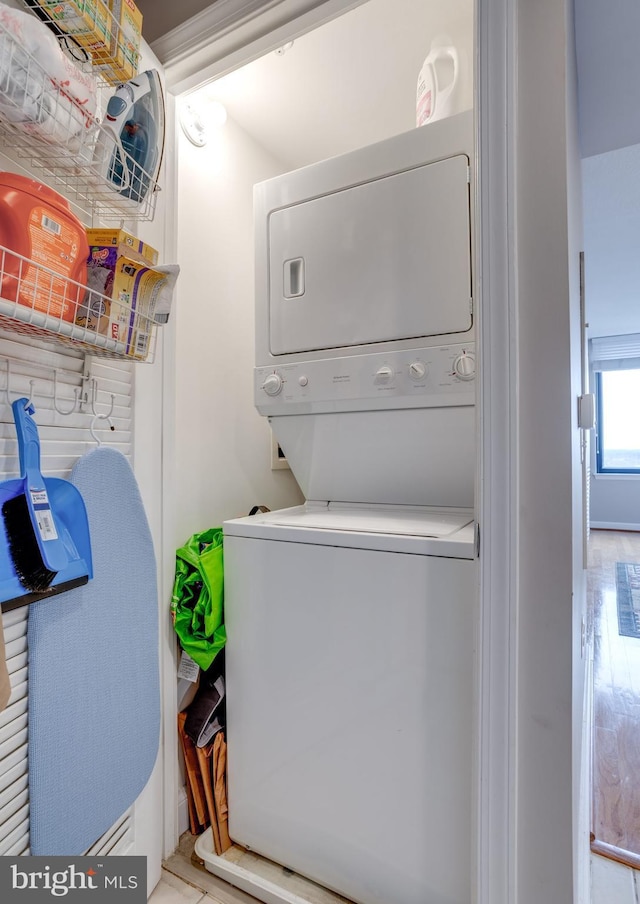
94,691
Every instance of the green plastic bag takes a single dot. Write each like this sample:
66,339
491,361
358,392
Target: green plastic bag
197,602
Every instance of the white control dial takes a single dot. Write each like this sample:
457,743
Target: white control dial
383,375
417,370
464,366
273,384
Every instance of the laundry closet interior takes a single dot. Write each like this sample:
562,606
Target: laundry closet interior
382,522
339,369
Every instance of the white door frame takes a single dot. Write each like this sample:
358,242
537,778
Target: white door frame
195,55
498,454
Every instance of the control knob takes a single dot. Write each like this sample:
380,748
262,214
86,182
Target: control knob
417,370
273,384
464,366
383,375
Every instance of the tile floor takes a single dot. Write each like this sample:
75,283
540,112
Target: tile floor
185,881
171,890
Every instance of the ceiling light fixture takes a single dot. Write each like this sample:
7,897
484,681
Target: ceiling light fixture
192,125
199,118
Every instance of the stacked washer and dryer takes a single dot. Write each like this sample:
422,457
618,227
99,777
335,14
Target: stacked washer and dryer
351,619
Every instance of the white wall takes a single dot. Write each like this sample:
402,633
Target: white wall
615,502
611,184
217,449
369,59
222,446
609,69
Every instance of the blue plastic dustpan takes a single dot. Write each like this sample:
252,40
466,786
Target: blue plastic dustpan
70,515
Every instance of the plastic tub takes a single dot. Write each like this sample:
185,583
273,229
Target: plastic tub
41,234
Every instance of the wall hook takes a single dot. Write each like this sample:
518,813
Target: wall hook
56,404
7,390
94,396
92,426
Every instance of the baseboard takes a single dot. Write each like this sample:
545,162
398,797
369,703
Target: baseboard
614,525
613,853
585,802
183,811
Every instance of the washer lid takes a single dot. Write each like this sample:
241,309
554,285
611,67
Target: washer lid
392,519
419,530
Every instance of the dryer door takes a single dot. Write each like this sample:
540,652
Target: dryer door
387,259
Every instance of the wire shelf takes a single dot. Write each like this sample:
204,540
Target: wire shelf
67,145
113,49
37,301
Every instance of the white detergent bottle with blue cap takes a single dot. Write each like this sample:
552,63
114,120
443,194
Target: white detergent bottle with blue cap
439,89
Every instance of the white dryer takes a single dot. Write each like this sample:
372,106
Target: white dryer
351,619
365,359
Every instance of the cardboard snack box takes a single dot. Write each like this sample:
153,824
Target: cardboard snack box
126,244
126,37
121,300
121,62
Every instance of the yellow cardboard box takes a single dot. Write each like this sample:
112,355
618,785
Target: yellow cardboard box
125,38
127,244
89,21
121,300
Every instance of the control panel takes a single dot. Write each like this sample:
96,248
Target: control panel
415,378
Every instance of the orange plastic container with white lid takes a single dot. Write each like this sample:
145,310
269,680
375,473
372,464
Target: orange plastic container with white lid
44,246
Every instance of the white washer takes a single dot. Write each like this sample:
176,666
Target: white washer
349,672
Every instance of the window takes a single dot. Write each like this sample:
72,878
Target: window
618,421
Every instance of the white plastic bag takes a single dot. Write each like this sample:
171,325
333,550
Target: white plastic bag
42,92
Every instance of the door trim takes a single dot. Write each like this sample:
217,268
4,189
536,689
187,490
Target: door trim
498,458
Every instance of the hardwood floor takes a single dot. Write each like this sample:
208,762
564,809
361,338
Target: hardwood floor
616,698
